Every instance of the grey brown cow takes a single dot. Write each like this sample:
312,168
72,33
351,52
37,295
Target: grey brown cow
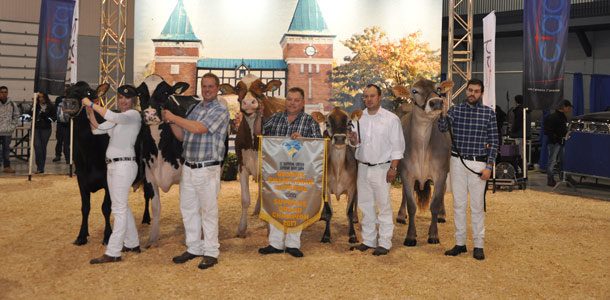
426,157
342,167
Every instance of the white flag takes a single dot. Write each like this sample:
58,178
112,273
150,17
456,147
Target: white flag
489,61
74,44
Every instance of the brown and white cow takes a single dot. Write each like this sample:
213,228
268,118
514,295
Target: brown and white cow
341,166
250,91
426,157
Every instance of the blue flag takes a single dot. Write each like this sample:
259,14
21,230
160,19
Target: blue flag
545,41
53,46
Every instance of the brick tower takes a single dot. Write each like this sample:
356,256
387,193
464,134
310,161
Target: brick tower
177,50
308,53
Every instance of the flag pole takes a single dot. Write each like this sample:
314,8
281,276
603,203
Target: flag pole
32,129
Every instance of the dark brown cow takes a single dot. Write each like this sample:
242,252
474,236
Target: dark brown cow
250,91
426,157
342,167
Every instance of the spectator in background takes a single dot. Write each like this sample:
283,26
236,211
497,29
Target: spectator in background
45,115
62,131
556,128
9,117
516,126
500,119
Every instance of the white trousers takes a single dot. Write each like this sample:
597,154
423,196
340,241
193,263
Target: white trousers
120,176
199,190
276,238
373,188
464,182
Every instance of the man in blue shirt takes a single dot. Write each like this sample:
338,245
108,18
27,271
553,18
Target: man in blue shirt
203,134
475,134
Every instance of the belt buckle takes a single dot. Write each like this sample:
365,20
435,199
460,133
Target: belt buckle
108,161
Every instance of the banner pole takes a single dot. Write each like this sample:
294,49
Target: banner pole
32,128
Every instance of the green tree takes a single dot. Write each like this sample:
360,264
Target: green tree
378,60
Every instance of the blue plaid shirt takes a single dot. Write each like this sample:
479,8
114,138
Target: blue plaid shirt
209,146
278,125
475,129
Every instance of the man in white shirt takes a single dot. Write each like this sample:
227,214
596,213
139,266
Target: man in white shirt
378,153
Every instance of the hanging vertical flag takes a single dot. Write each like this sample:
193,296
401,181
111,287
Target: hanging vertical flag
489,63
545,40
53,46
74,45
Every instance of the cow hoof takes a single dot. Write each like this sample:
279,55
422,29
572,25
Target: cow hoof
410,242
353,240
355,221
105,242
441,220
241,235
401,221
325,240
433,241
80,241
323,218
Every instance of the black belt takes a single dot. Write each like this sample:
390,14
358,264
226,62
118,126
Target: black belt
197,165
111,160
372,165
482,158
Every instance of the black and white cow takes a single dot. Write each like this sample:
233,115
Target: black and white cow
161,151
89,157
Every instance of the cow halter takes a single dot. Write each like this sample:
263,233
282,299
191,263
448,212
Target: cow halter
423,106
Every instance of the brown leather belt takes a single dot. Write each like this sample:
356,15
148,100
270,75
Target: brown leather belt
111,160
197,165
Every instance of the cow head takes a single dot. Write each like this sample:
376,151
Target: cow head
425,94
72,103
338,124
250,91
156,95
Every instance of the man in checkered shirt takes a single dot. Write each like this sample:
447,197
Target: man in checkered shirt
293,122
475,133
203,133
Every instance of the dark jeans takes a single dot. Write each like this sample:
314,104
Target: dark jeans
62,134
41,139
6,150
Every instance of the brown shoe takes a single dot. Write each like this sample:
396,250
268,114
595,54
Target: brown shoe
207,262
135,249
362,247
105,259
8,170
380,251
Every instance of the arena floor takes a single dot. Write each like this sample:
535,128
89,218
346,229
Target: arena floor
539,245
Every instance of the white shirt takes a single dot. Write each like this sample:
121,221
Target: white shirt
382,137
123,129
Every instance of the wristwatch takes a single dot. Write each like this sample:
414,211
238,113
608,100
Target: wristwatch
392,168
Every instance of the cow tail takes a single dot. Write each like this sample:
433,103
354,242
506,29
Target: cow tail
423,196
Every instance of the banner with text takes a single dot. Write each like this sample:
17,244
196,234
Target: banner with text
545,41
489,63
291,181
53,52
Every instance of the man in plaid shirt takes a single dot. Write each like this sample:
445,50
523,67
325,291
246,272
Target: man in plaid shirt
203,133
475,134
293,122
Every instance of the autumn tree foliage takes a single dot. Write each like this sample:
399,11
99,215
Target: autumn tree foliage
378,60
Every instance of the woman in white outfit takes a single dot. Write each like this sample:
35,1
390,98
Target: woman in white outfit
123,130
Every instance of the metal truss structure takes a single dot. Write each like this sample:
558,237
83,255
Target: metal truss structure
113,48
459,61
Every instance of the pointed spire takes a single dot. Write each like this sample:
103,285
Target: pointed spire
178,26
307,17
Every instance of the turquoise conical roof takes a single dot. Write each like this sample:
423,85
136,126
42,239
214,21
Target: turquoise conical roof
307,17
178,26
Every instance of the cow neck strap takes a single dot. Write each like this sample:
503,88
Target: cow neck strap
423,106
